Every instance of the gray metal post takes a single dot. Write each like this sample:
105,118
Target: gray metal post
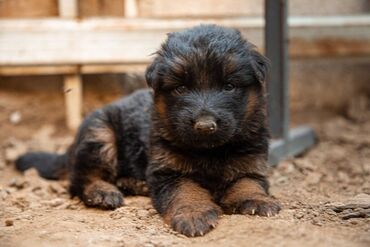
276,36
286,142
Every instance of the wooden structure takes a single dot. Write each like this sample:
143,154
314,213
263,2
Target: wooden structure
68,38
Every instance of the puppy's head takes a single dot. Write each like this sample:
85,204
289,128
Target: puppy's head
208,87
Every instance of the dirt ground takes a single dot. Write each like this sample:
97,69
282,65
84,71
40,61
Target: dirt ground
325,193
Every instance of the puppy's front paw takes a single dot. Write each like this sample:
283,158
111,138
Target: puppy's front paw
103,195
262,206
192,221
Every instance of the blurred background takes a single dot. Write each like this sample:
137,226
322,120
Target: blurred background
65,58
62,59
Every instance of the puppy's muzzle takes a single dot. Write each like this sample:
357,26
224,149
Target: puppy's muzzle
205,125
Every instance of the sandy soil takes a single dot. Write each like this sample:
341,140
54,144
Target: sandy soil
325,193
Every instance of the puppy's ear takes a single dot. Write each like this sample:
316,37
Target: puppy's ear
151,73
260,65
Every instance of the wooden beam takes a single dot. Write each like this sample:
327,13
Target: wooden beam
126,41
121,24
147,24
204,8
113,68
28,9
130,8
72,69
38,70
100,8
68,8
73,100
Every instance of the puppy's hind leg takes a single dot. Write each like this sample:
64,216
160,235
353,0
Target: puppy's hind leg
94,169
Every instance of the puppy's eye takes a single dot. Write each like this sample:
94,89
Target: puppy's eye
181,89
229,87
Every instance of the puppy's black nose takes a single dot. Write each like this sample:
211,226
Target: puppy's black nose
205,125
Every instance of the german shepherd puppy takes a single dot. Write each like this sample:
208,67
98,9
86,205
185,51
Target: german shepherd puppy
197,141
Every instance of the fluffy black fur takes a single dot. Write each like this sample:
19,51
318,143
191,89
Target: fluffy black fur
198,140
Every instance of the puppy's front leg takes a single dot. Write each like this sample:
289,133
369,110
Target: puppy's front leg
185,205
249,195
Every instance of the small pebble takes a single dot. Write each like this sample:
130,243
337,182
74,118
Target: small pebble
142,214
15,117
299,215
9,222
82,220
152,232
316,222
38,191
331,212
56,202
57,189
354,221
71,206
149,244
18,183
152,212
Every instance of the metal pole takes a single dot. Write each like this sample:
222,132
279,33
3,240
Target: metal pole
276,43
286,142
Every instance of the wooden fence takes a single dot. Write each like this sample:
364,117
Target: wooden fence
72,37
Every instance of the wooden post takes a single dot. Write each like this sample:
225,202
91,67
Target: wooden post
131,9
73,100
72,83
68,8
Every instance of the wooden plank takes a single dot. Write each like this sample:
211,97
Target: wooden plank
199,8
329,47
91,8
147,24
73,100
28,8
120,24
84,48
131,8
126,41
72,69
222,8
328,7
72,83
113,68
68,8
38,70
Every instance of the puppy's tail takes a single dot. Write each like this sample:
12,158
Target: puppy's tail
49,165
